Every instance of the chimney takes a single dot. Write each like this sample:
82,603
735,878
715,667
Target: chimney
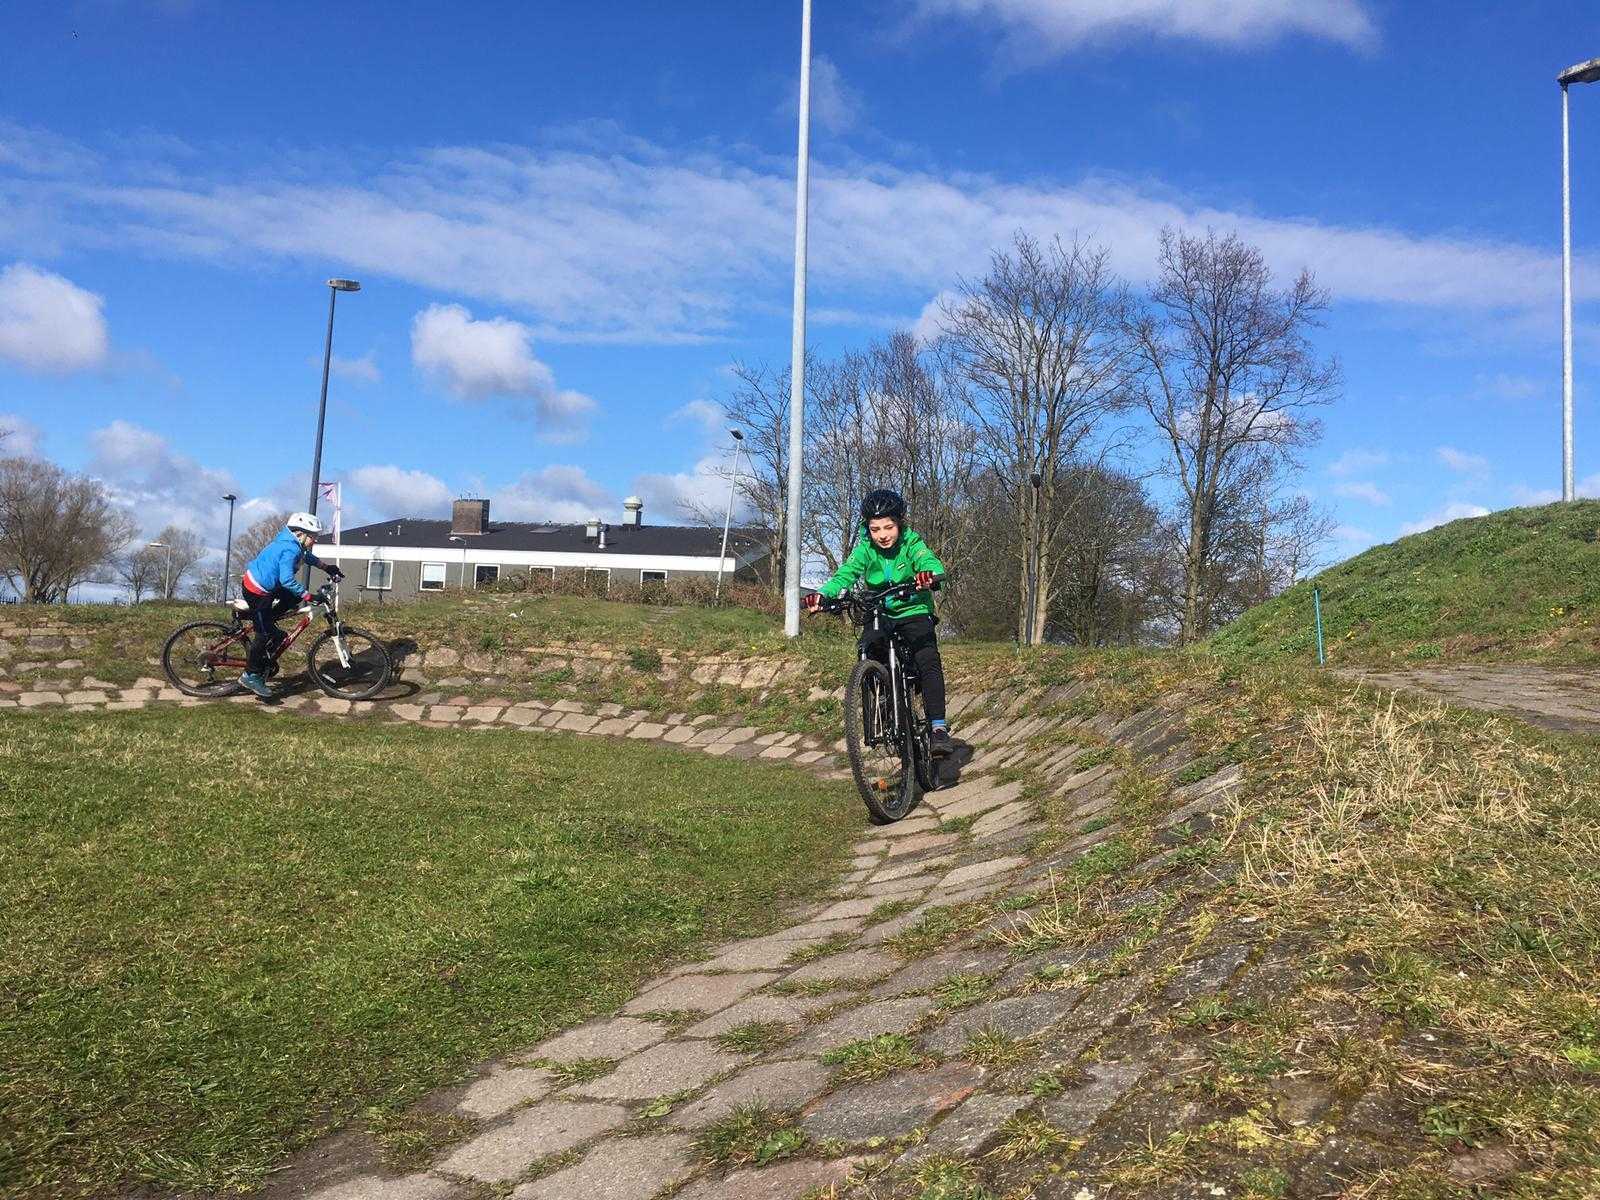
633,511
469,517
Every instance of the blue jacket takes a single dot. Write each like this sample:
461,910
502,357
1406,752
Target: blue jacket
278,565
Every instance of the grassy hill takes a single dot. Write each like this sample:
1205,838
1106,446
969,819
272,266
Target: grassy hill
1523,584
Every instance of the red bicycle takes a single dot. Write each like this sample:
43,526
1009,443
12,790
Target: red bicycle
206,658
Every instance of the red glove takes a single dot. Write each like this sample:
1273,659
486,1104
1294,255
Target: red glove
307,598
924,580
813,601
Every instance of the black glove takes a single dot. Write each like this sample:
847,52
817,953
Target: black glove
334,573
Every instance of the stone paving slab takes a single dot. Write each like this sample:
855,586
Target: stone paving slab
757,954
971,1130
505,1088
549,1127
661,1070
616,1037
904,870
864,1021
1001,819
1016,1016
781,1086
850,964
619,1169
782,1010
891,1107
1075,1111
982,800
978,872
376,1187
928,840
703,993
784,1181
925,974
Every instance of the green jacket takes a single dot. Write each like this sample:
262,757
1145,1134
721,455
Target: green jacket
882,567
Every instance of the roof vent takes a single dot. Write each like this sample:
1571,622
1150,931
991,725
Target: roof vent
592,529
602,537
633,511
469,517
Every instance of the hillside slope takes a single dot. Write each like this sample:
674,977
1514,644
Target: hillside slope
1518,585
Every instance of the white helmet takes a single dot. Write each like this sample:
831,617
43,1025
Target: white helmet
304,522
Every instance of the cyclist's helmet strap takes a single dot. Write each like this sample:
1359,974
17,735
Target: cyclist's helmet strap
883,503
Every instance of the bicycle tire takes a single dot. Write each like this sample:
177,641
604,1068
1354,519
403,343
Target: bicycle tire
887,801
922,748
370,672
224,634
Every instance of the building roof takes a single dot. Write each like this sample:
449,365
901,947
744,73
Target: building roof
666,541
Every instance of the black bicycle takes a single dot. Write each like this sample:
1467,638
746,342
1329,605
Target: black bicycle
885,726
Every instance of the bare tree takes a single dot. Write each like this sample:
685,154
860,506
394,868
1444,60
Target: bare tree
139,570
847,454
1104,556
759,405
1039,342
1228,375
177,556
55,528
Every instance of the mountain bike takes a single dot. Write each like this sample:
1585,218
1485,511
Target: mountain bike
885,727
206,658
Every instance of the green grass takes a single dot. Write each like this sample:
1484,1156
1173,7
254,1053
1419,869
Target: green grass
1523,584
874,1057
226,933
750,1134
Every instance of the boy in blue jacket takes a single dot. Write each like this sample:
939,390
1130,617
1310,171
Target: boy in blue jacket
272,589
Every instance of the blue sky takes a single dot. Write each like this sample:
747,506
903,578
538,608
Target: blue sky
569,219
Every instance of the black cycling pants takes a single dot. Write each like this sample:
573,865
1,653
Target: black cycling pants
265,613
917,633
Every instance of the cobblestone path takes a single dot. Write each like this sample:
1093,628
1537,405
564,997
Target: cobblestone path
1560,699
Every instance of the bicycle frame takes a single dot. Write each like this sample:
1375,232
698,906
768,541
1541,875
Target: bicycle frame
282,647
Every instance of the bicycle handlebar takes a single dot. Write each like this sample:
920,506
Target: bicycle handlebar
868,600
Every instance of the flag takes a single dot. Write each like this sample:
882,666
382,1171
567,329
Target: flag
331,493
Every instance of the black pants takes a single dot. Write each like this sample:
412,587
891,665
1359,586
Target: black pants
265,613
918,635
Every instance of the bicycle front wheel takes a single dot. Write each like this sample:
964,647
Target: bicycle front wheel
879,746
206,658
350,664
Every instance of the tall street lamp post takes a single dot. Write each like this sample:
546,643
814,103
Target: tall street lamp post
335,286
1037,480
455,537
733,479
797,369
1584,72
227,555
166,576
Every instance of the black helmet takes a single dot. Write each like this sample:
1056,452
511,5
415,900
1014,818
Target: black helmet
883,503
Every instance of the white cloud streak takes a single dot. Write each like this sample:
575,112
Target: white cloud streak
1362,490
626,241
1463,463
50,324
564,494
19,437
1450,512
391,491
1353,462
1037,29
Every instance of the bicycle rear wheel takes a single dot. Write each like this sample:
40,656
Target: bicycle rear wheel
880,757
359,673
206,658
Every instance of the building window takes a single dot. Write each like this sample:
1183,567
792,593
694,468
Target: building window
485,573
541,579
652,576
380,575
432,577
597,580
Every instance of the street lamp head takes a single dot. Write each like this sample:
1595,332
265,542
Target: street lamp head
344,285
156,545
1584,72
737,436
229,497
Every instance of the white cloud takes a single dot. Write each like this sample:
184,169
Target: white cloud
1037,28
1524,496
50,324
708,415
835,105
1462,462
1353,536
392,491
1450,512
161,487
356,370
1353,462
563,494
19,437
623,240
1362,490
683,496
1505,386
494,357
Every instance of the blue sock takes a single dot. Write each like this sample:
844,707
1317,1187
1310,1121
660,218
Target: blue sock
939,724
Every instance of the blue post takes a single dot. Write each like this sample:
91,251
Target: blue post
1316,602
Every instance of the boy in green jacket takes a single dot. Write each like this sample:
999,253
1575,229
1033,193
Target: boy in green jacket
891,553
